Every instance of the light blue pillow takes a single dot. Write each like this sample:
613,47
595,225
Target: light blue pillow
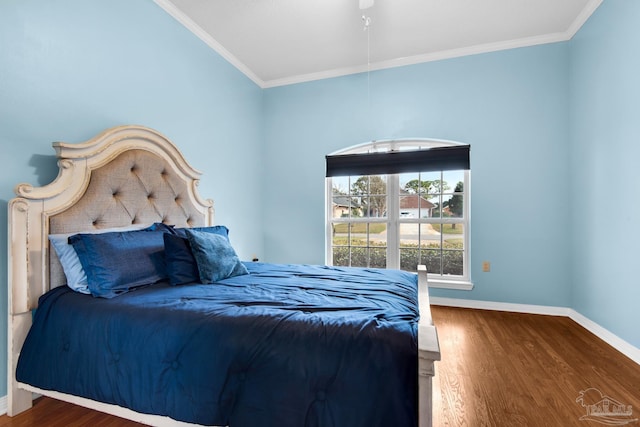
73,271
215,257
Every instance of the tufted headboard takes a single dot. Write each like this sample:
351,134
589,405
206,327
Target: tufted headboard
126,175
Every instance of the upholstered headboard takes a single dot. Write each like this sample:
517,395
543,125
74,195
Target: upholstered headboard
126,175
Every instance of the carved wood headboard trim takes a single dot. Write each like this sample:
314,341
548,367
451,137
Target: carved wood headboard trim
30,214
163,178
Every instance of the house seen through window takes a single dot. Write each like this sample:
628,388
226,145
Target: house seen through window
415,213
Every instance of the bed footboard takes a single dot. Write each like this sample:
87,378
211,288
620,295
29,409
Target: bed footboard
428,351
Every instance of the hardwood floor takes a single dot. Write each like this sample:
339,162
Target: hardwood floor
48,412
497,369
512,369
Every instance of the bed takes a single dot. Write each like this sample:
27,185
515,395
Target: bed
282,344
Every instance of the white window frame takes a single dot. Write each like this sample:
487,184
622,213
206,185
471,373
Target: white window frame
393,219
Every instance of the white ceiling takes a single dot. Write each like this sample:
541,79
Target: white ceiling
278,42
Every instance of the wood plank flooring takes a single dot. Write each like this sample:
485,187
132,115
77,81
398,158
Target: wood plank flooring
497,369
512,369
48,412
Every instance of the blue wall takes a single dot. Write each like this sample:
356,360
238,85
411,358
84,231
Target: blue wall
72,68
605,200
511,106
551,129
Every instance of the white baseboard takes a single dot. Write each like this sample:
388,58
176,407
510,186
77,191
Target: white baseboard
500,306
607,336
3,405
629,350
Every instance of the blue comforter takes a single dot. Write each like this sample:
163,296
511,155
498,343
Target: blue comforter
286,345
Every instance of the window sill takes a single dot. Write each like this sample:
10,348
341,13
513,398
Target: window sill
461,285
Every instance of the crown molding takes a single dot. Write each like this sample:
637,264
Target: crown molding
583,17
419,59
580,20
176,13
197,30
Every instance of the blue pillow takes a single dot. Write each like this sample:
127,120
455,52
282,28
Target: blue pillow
215,257
73,271
180,263
216,229
119,261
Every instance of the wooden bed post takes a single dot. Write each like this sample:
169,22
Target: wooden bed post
22,215
18,400
428,351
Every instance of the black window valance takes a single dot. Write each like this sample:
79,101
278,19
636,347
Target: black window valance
433,159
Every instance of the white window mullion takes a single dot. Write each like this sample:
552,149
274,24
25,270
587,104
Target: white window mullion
328,254
466,213
393,225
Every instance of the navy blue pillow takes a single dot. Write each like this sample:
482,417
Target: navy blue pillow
160,226
180,263
215,256
119,261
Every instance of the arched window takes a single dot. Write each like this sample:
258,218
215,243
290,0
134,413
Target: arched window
400,203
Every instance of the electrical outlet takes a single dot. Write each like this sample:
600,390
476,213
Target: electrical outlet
486,266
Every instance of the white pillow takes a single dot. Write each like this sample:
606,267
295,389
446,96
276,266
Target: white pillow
76,277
